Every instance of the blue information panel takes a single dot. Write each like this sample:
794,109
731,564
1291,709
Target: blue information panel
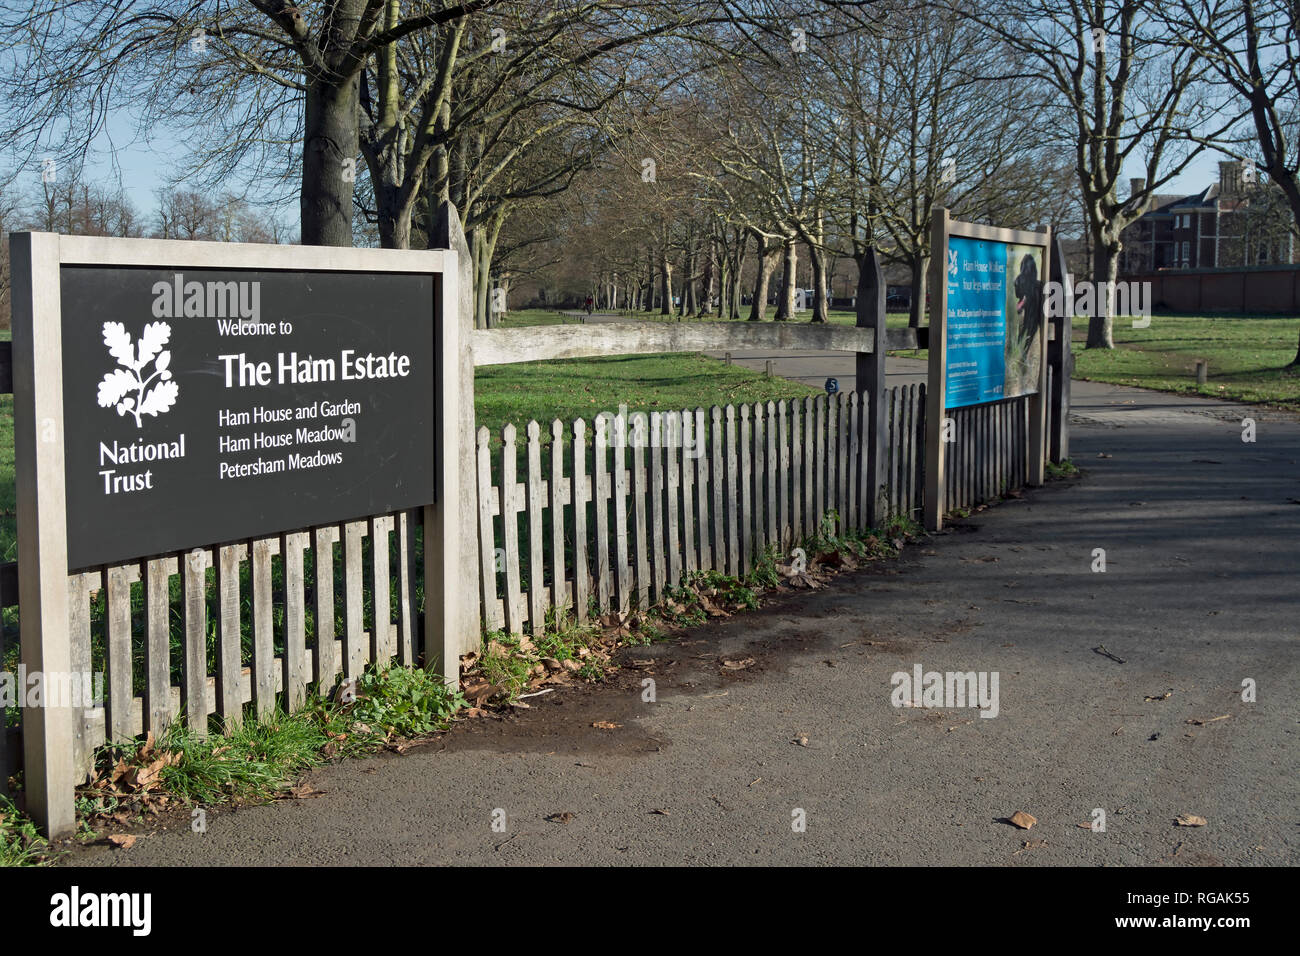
993,320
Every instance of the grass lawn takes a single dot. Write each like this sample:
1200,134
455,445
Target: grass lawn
583,388
1247,355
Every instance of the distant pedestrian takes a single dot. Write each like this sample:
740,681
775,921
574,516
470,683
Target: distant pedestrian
590,305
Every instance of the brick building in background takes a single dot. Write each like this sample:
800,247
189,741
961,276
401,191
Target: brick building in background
1235,223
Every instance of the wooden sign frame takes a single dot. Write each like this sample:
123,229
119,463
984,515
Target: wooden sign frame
43,573
942,228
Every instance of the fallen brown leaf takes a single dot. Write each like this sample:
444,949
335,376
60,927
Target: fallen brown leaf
123,841
146,777
1191,820
606,725
712,609
805,581
1023,820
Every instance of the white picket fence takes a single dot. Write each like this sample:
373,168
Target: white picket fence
612,513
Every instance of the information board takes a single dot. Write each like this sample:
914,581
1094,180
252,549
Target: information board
207,405
993,320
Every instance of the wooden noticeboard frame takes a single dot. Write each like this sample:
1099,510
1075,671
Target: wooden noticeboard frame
942,228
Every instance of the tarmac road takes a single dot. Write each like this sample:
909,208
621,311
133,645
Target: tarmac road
1200,535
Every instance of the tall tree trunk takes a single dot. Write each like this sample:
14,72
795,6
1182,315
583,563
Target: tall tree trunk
329,161
724,286
482,292
737,267
920,264
482,244
688,281
666,284
789,278
437,184
710,279
1102,322
758,309
395,213
818,262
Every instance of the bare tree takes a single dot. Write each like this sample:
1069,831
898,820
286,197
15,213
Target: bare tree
259,75
1125,96
1252,49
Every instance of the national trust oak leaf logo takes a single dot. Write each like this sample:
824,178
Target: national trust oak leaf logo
127,387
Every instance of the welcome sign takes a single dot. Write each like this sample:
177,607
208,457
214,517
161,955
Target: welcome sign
207,405
174,397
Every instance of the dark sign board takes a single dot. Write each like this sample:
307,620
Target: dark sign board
204,406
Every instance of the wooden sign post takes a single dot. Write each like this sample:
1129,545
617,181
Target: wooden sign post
870,368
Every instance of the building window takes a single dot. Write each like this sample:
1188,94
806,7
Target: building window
1186,254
